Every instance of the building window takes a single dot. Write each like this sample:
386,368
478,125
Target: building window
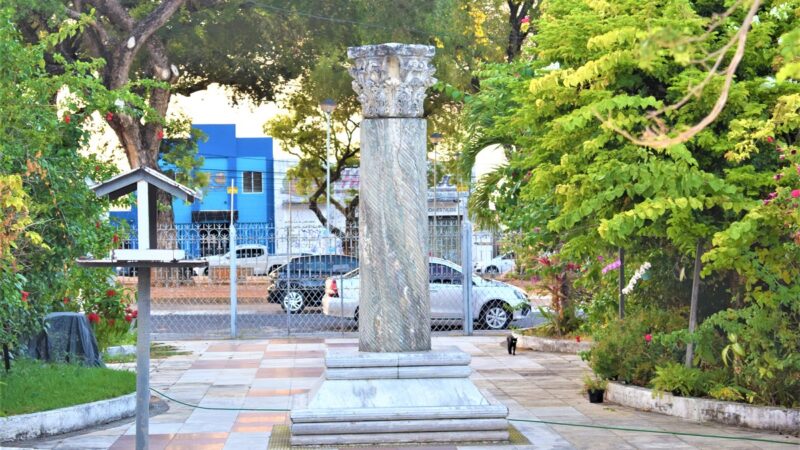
252,182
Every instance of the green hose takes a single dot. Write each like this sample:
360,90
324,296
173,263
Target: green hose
547,422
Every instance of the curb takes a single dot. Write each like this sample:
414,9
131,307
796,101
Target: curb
121,350
64,420
784,420
541,344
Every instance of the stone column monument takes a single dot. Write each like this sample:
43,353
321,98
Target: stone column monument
395,389
394,304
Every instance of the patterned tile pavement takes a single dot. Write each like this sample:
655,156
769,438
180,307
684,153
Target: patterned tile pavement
278,373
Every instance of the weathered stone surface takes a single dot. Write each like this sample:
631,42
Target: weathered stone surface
401,426
486,411
401,438
392,393
706,410
351,359
391,79
394,304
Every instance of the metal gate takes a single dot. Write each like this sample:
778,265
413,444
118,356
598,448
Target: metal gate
301,281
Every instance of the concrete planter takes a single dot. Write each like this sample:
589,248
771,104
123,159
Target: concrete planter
121,350
783,420
541,344
64,420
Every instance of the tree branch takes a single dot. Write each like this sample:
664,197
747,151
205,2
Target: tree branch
658,138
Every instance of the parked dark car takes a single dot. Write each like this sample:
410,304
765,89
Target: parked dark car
301,282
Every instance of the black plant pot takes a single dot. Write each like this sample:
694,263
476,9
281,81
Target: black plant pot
596,396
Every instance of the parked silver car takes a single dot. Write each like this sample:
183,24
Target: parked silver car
254,256
495,304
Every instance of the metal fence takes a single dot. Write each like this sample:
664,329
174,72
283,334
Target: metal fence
302,281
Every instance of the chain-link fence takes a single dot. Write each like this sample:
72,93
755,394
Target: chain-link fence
304,281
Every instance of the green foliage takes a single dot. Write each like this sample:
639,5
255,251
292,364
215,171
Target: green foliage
678,379
591,383
59,218
622,351
576,184
34,386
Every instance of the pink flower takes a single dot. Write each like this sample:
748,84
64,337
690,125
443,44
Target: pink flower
648,337
128,317
600,258
613,266
796,193
109,116
770,139
160,134
525,19
778,176
25,295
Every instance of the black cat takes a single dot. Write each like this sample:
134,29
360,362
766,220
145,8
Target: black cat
511,341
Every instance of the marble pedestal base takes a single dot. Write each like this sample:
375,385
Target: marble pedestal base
392,398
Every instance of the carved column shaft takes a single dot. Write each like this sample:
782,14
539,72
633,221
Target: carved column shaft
394,304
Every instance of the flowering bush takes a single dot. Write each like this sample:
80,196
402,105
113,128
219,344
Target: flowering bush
107,304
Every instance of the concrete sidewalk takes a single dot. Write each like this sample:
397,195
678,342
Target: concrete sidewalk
278,373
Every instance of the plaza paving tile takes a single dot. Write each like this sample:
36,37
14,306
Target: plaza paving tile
259,375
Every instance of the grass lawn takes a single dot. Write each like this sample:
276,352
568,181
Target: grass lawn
32,386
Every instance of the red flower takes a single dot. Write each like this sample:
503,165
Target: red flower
648,337
66,118
109,116
111,293
135,313
128,317
796,193
93,318
66,300
770,139
25,295
545,261
573,266
577,338
160,134
115,238
525,19
97,224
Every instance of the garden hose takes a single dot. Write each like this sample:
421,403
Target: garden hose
546,422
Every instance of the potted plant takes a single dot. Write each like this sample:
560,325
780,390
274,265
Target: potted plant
595,387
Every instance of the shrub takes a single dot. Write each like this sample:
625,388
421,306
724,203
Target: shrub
679,380
629,350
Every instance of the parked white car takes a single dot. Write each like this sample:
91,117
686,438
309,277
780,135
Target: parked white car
495,304
497,265
255,256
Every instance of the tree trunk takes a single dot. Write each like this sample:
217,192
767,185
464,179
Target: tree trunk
621,283
693,307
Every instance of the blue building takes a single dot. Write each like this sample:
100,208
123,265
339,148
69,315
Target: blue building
247,163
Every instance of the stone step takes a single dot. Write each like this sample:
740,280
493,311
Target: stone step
375,373
354,360
401,438
394,414
400,426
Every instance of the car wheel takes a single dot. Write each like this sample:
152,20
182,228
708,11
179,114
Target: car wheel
293,302
495,316
492,270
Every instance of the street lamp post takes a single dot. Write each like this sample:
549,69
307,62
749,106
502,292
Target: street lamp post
327,106
435,139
